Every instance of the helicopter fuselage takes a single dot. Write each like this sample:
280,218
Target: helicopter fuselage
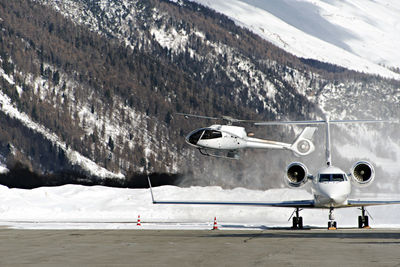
228,137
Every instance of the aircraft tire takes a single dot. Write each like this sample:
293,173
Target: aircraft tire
295,223
332,225
360,222
366,223
300,223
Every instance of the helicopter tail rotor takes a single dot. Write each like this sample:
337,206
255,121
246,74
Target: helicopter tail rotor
303,145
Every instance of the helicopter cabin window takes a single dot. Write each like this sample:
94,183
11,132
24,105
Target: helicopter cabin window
211,134
336,177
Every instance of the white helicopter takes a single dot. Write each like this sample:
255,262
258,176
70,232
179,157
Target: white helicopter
331,186
233,138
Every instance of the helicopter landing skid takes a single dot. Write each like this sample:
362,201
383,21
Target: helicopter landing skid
230,154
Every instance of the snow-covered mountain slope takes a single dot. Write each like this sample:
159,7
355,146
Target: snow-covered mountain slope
74,157
361,35
111,93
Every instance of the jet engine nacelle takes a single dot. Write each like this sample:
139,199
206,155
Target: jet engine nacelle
362,173
296,174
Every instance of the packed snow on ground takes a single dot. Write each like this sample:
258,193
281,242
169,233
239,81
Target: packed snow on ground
97,207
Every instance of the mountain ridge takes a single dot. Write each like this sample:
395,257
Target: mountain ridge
107,77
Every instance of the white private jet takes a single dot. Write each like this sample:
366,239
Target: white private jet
331,186
231,139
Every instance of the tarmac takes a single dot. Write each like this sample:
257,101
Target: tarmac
271,247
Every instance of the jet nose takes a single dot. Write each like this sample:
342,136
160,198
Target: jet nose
338,199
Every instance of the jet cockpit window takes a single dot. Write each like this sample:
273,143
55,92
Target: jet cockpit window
324,177
211,134
335,177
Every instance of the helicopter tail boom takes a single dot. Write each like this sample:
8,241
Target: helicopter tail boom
302,146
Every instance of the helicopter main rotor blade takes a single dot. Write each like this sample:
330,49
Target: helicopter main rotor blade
226,118
186,115
231,119
318,122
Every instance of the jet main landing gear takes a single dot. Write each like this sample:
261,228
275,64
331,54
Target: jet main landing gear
297,220
363,219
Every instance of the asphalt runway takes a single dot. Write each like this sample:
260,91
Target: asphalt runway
346,247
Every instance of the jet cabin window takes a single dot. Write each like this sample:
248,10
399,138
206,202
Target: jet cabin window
211,134
335,177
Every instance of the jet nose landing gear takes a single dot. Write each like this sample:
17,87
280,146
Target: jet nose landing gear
332,223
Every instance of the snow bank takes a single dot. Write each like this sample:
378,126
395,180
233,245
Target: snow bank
76,206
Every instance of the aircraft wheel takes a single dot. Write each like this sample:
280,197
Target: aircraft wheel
366,223
295,222
360,222
300,222
363,221
332,225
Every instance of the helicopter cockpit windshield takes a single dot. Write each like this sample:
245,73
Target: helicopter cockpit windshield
194,136
203,134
